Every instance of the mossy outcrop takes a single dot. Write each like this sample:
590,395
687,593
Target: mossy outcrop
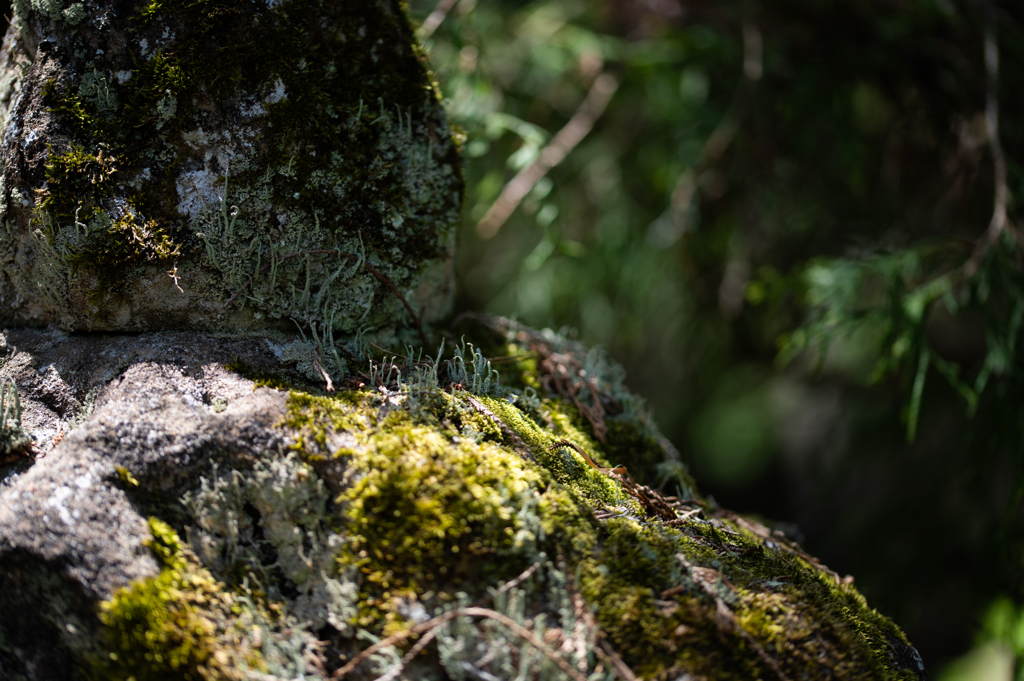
223,165
203,511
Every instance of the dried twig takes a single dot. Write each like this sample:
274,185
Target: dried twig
998,223
684,518
435,622
620,470
367,266
513,583
318,365
718,142
434,19
565,140
621,667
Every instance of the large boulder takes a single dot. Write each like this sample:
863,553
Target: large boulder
192,508
222,165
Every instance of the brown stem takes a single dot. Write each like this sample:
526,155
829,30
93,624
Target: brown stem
567,138
720,138
998,223
435,18
367,266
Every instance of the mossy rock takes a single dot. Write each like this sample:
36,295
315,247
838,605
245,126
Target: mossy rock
216,516
223,165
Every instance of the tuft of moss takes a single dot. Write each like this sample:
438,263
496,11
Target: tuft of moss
180,624
426,510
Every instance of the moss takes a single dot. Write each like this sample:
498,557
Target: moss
422,474
399,501
565,465
180,624
425,510
314,122
78,179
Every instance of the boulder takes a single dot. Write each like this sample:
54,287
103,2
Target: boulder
222,166
194,508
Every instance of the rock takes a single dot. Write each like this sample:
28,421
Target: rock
184,515
223,166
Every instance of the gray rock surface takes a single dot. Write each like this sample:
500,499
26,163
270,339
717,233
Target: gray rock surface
220,166
158,408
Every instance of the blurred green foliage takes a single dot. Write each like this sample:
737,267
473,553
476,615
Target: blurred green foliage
775,226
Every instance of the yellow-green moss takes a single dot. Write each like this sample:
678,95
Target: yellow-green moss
180,624
425,510
446,491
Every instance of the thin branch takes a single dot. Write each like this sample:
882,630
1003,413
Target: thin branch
435,622
998,223
606,650
367,266
575,130
434,19
513,583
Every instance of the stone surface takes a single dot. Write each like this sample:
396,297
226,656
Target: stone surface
176,517
221,165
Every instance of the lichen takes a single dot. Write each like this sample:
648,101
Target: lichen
422,471
289,161
277,508
14,441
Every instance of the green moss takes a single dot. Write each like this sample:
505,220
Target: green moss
566,465
425,510
180,624
314,417
436,496
78,179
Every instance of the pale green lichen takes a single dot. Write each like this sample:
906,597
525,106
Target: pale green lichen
278,506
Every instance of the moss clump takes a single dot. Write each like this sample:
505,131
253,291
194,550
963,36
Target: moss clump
443,491
180,624
426,510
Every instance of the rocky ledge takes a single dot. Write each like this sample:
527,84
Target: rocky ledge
192,506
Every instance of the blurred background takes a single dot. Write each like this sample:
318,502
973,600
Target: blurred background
786,220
